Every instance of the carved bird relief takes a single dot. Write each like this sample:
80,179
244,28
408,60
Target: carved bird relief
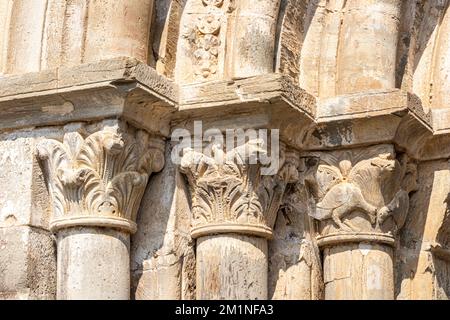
221,183
339,188
227,187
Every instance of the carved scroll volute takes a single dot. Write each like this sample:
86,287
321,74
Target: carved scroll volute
360,193
233,197
99,180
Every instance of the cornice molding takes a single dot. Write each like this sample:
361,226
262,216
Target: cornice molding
132,91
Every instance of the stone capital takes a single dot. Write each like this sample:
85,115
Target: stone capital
98,179
232,196
359,195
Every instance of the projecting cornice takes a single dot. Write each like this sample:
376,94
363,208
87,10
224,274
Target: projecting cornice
132,91
121,87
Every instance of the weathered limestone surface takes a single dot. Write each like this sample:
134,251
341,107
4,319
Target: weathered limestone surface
358,271
294,262
162,250
237,259
232,198
68,33
93,264
27,251
98,200
96,181
423,260
27,263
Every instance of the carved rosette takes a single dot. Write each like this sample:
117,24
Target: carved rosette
360,194
232,196
99,180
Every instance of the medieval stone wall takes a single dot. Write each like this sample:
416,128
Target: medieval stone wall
355,96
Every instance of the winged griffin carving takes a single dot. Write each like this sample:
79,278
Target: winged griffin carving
350,181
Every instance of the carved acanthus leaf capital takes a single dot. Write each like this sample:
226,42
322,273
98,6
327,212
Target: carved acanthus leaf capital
359,194
232,196
99,180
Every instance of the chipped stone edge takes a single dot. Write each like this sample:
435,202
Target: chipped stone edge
91,75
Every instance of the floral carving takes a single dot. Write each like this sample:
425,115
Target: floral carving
101,176
205,40
232,196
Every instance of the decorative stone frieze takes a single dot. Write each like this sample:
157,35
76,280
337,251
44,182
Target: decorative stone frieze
99,180
361,89
232,196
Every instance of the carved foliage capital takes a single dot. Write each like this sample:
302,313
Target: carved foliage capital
99,180
233,196
359,193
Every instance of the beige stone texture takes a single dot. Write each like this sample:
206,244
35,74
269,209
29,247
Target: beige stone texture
361,271
94,205
27,264
67,33
371,27
228,258
93,264
295,271
422,271
162,250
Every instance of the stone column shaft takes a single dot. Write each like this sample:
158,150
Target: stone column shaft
255,38
361,201
362,271
368,45
25,36
441,81
231,267
5,16
118,28
93,263
234,209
